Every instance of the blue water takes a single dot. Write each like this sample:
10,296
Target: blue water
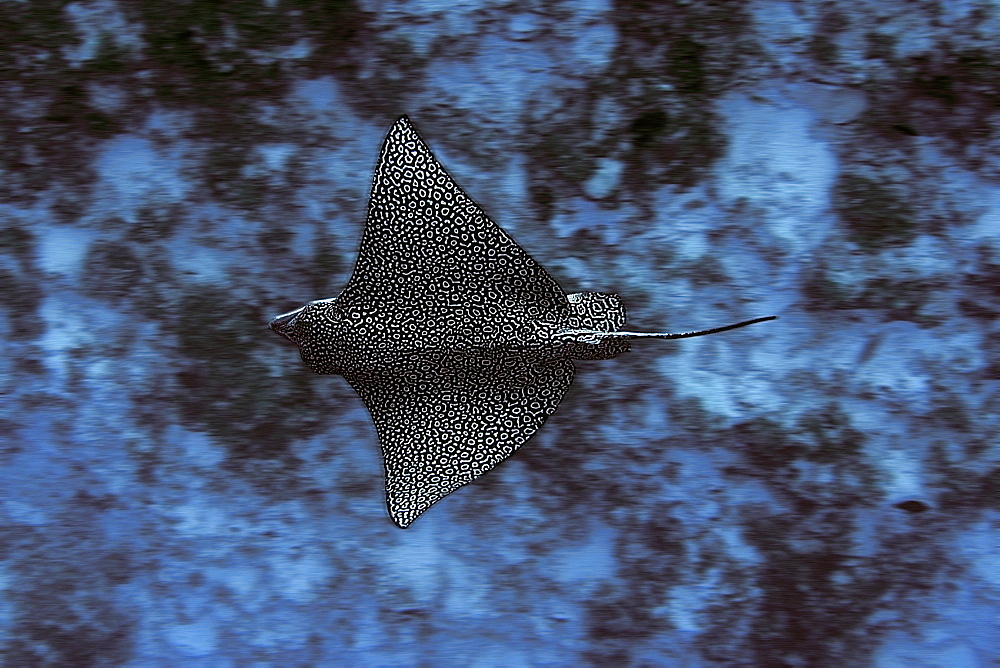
178,489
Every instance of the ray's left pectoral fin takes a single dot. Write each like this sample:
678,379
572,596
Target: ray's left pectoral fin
444,428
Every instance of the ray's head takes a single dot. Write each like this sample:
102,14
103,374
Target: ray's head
287,324
319,330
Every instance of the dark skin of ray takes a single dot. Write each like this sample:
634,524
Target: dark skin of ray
458,342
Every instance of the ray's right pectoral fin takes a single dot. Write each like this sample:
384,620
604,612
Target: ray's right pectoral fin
441,431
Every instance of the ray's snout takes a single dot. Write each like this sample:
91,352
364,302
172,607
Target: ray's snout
284,324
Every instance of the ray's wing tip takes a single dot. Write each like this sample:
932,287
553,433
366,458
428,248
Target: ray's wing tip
401,518
401,521
401,132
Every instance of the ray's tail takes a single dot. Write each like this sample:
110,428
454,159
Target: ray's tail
594,334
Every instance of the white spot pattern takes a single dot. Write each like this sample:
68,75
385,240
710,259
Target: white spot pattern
446,330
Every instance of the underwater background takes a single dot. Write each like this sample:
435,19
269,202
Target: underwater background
821,490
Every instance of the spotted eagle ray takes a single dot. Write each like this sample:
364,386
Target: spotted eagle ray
458,342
